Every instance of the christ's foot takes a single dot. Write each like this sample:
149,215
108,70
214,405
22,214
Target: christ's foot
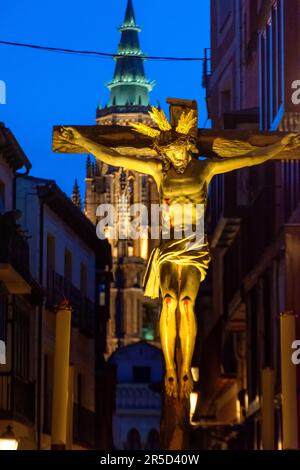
171,383
186,384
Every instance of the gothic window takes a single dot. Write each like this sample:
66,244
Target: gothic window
153,440
144,189
133,440
131,189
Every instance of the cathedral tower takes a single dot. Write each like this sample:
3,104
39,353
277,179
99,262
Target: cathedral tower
133,317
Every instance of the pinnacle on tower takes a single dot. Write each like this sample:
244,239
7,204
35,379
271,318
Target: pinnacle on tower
76,198
130,16
88,166
129,87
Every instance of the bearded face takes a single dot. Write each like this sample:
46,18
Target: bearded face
174,144
178,155
178,152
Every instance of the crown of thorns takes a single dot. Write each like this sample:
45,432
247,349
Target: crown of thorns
165,133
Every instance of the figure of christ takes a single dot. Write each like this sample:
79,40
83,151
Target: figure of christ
174,269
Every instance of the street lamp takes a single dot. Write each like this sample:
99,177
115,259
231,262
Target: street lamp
8,440
193,405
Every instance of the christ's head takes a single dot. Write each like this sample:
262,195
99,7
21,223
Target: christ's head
174,144
177,150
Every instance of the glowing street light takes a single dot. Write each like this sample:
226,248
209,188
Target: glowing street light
193,405
8,440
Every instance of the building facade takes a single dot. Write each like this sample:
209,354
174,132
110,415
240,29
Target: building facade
50,252
138,399
68,261
17,305
255,232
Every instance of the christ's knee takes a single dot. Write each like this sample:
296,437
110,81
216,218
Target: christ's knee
170,302
168,311
186,306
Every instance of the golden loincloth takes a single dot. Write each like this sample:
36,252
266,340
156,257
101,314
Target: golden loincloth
182,252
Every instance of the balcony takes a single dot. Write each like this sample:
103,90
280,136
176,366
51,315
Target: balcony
137,397
17,398
14,256
83,314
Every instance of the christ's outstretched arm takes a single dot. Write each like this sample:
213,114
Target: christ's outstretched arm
255,157
146,165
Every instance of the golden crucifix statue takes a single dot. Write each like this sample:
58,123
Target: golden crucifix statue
175,270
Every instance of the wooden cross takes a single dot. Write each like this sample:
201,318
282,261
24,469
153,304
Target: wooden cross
210,143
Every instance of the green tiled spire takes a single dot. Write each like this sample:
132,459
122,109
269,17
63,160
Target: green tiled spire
129,87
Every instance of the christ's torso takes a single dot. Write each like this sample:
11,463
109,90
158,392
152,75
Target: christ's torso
178,192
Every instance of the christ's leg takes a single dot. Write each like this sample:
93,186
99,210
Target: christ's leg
189,287
169,289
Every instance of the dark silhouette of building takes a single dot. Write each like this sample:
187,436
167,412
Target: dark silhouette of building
49,252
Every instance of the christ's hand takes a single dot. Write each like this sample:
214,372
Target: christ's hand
291,141
70,134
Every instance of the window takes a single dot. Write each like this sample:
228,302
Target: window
48,391
3,317
253,17
68,266
224,12
50,259
225,101
79,389
21,343
229,357
3,328
133,441
272,69
141,374
2,198
268,321
153,440
253,352
83,279
251,30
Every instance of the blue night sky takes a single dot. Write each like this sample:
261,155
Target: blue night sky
44,89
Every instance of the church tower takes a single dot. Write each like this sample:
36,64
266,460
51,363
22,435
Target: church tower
132,316
129,89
